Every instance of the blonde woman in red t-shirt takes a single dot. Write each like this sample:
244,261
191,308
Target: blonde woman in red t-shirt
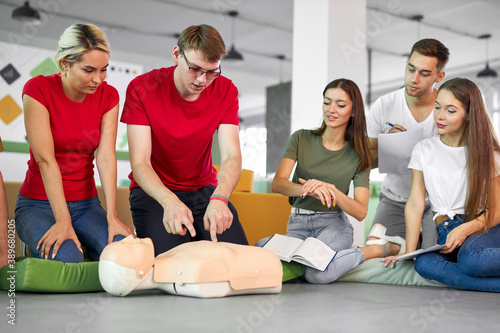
71,117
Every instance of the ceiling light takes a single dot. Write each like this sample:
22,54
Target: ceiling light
26,13
233,55
417,18
487,72
281,58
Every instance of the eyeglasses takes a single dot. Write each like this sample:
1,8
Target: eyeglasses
197,72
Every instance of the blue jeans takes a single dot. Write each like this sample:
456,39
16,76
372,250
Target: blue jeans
34,218
333,229
474,266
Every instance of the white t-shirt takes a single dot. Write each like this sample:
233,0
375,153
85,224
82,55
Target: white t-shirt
393,108
445,174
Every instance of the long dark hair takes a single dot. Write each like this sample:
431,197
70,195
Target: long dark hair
482,146
355,133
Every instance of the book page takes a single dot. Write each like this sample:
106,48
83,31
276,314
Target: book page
394,150
314,253
414,254
283,246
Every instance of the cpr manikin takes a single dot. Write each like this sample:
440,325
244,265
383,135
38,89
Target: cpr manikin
199,269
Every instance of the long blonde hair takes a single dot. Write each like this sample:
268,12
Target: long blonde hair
482,146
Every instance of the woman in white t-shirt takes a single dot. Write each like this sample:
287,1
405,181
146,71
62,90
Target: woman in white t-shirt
459,169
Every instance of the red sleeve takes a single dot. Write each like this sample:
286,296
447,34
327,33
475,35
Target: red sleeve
133,110
231,117
35,88
112,97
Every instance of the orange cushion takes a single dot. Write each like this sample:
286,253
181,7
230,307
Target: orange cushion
245,184
261,214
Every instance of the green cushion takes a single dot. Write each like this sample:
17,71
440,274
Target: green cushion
39,275
292,270
371,271
48,276
374,271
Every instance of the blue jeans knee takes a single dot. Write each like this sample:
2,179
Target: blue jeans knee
333,229
35,217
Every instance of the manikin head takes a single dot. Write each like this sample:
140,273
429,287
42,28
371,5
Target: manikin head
124,264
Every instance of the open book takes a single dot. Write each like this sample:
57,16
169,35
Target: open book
414,254
310,252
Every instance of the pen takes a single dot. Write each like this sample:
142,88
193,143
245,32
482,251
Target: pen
388,123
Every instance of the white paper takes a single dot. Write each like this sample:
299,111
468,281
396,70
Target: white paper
394,150
414,254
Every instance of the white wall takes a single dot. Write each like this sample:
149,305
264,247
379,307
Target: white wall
251,88
13,165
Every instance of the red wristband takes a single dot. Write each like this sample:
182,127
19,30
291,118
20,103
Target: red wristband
218,198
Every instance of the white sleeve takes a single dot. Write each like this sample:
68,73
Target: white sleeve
416,157
375,121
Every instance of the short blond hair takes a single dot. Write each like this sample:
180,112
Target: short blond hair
77,40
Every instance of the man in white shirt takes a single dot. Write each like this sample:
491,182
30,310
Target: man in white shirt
405,109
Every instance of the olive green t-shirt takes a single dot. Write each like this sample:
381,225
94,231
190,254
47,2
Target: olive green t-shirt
315,161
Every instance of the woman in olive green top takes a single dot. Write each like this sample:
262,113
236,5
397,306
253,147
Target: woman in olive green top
328,159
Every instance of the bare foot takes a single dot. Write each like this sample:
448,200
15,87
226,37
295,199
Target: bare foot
376,251
392,248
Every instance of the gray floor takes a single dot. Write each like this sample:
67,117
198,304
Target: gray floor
300,307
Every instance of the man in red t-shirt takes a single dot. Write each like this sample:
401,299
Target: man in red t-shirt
171,115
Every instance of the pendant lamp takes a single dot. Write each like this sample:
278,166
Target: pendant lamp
25,13
233,55
487,72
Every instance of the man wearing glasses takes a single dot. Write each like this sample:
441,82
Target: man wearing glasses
171,115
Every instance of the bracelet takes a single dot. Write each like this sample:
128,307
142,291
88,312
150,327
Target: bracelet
219,197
